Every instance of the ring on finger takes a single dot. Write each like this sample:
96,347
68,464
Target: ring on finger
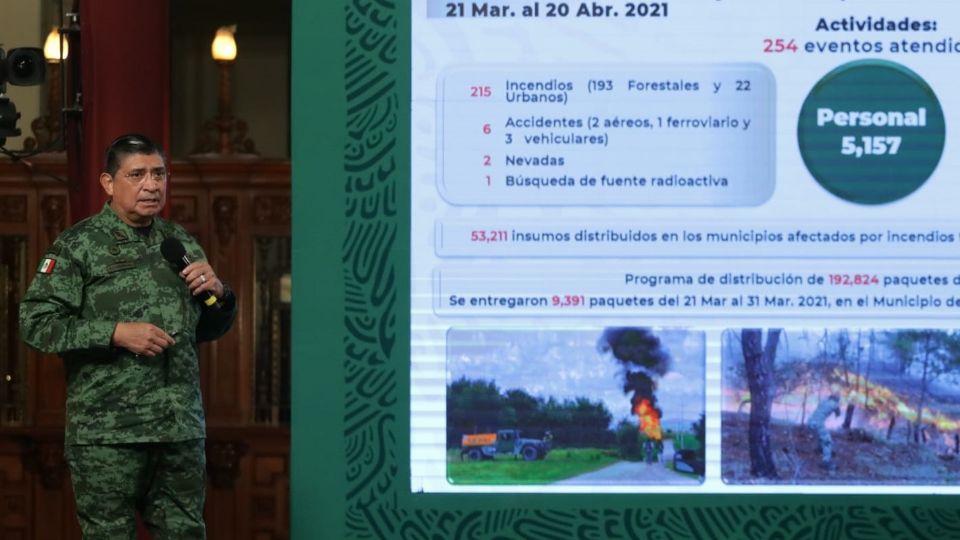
203,278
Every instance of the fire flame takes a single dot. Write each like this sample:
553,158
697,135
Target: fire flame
881,399
649,419
877,404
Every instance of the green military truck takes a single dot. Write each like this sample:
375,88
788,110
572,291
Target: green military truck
504,442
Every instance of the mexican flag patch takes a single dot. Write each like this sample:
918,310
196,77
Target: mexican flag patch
46,267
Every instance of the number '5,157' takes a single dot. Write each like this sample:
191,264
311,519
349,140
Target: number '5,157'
869,146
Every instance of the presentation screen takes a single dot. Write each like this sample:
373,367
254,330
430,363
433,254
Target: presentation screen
707,246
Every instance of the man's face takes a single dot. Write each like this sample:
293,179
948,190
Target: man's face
138,189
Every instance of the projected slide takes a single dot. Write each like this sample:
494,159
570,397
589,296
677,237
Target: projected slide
685,247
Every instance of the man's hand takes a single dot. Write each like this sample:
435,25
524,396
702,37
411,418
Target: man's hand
200,277
141,338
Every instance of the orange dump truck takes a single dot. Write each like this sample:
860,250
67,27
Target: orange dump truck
504,442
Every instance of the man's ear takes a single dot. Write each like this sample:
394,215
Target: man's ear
106,182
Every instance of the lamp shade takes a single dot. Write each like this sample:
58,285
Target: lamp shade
224,47
51,47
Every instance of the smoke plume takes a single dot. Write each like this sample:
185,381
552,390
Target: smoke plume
644,360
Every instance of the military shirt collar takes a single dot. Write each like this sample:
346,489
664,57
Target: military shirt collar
121,231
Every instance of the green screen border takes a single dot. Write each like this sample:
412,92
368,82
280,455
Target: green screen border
351,383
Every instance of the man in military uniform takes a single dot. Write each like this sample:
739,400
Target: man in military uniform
126,323
818,421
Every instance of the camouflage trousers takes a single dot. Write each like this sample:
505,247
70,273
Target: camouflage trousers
164,482
826,444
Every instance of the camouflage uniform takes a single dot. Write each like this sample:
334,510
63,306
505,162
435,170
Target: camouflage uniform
818,420
144,411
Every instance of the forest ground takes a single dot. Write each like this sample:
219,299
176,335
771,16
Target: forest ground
860,458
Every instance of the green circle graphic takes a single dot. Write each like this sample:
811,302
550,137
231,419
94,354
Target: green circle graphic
871,132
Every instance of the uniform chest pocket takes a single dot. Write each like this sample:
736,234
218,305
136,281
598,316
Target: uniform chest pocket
120,266
110,269
116,289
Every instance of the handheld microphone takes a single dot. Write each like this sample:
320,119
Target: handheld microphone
174,252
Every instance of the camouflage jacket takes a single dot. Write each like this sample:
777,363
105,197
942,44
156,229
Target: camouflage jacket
100,272
826,407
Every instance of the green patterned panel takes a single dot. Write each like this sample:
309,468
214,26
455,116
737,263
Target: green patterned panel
350,453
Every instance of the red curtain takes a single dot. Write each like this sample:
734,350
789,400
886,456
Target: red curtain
124,60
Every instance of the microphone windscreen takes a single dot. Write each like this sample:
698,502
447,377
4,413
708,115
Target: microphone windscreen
173,250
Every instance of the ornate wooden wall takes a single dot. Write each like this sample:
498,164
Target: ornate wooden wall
227,205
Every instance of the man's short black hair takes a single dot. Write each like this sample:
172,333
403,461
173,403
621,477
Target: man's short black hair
125,145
